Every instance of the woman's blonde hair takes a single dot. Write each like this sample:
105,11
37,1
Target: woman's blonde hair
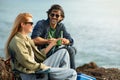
21,18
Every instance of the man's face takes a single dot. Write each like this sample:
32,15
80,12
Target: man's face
55,17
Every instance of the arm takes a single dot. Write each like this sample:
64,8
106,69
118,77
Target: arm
40,41
52,44
67,39
38,33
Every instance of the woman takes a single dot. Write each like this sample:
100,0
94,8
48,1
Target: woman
27,59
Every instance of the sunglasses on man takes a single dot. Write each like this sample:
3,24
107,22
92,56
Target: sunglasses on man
56,15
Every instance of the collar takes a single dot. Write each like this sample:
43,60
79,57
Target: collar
22,36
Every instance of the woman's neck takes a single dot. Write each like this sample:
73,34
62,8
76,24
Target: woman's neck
24,34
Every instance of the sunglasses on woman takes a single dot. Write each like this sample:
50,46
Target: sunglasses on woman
31,23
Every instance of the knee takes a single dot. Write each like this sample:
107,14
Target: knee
63,51
73,73
72,50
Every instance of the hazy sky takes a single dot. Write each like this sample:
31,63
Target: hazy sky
97,10
84,10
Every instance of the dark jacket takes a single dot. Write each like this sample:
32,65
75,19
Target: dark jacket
42,27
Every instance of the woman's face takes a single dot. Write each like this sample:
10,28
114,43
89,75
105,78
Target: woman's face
28,26
55,17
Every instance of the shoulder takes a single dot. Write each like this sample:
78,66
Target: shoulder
41,24
41,21
61,25
17,40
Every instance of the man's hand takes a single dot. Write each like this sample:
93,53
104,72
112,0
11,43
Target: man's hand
64,41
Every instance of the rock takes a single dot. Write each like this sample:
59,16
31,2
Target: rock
99,73
91,69
5,70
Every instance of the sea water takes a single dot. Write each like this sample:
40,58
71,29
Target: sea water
94,25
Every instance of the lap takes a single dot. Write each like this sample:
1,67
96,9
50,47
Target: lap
33,76
54,74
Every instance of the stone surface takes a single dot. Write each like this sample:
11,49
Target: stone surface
91,69
99,73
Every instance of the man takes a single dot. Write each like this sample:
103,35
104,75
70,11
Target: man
45,31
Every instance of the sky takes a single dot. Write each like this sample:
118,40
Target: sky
100,11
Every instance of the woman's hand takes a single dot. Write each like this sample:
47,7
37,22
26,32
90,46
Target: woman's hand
51,44
51,40
46,67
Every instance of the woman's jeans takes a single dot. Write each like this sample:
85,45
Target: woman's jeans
60,67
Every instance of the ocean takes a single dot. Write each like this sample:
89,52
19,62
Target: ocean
94,25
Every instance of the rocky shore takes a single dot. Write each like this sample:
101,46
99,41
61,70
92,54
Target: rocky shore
99,73
91,69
